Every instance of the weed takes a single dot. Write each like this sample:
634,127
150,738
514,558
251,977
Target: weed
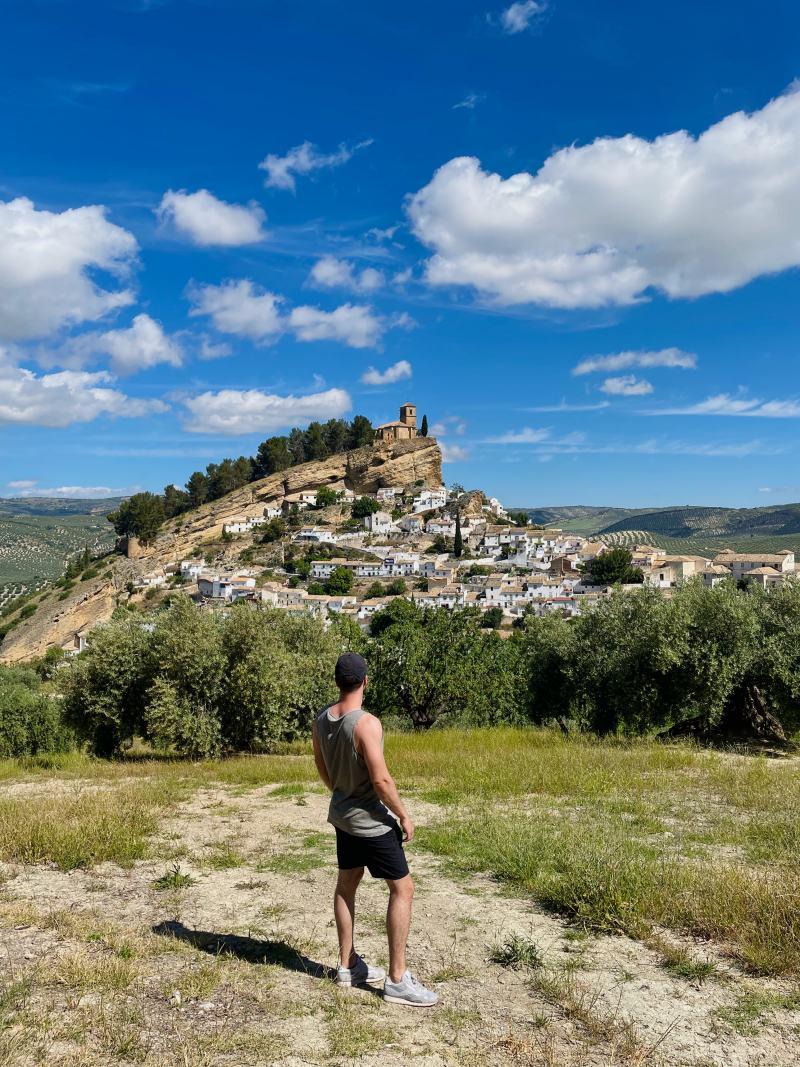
517,951
174,878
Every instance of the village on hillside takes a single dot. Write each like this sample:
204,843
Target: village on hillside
336,554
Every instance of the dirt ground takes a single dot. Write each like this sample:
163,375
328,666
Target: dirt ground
219,951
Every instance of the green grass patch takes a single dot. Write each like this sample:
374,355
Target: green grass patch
80,831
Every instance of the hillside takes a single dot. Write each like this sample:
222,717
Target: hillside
776,520
36,536
60,614
579,518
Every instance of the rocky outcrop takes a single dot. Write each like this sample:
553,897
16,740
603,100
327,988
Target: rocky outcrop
364,470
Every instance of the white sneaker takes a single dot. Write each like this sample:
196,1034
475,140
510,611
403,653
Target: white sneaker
409,991
359,974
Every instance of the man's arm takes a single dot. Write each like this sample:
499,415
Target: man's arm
322,770
368,735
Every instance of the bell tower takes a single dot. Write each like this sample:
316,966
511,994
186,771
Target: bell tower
408,416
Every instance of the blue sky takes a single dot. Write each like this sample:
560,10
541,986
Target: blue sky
569,231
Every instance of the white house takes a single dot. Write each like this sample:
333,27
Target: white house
443,525
411,524
379,522
227,587
430,500
386,496
236,526
190,568
315,534
740,564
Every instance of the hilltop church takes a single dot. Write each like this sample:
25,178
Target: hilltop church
403,430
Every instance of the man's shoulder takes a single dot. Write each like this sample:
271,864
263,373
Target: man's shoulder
368,724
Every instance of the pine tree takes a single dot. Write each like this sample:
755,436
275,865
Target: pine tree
458,541
423,430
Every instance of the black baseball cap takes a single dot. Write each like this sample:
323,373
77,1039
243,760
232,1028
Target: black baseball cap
351,670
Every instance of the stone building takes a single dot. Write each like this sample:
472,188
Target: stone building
403,429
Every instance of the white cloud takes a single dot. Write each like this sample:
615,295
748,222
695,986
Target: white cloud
449,424
141,345
352,324
518,16
453,453
402,277
46,264
75,492
542,443
725,404
240,308
664,357
213,349
304,159
21,484
604,223
63,398
396,373
626,385
564,406
382,235
233,411
332,273
526,436
206,220
470,101
245,310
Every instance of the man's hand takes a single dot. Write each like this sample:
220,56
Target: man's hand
407,826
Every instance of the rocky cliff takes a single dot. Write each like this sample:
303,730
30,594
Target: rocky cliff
364,470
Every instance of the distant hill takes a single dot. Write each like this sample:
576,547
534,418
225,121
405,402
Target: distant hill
580,518
686,530
38,534
53,505
774,521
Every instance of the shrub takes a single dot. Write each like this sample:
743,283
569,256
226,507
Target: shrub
31,722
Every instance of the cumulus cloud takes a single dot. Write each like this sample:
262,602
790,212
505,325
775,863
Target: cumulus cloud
240,308
396,373
234,411
244,309
134,348
453,453
304,159
47,260
63,398
352,324
517,17
605,223
725,404
206,220
626,385
332,273
664,357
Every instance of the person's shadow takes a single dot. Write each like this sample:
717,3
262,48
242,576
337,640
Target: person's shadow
245,948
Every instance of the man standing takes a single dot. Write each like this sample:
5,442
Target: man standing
348,751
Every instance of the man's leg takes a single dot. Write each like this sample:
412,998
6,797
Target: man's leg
398,923
344,908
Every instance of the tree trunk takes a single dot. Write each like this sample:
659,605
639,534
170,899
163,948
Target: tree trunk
746,718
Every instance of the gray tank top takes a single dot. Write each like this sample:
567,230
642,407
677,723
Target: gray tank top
355,806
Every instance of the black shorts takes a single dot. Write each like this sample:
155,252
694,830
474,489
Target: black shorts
382,855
